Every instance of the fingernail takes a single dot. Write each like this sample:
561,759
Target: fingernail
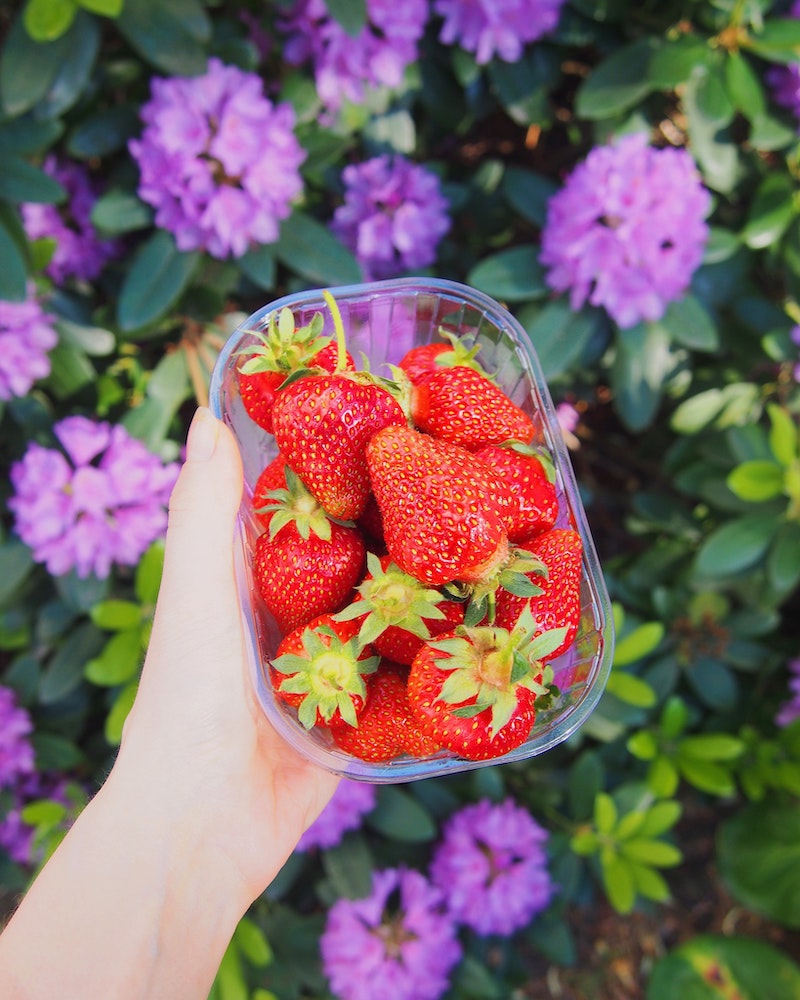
203,433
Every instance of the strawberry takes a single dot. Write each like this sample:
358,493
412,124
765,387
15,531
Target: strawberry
322,424
273,477
529,473
386,727
473,690
559,603
305,564
465,407
421,362
396,612
319,668
280,351
443,512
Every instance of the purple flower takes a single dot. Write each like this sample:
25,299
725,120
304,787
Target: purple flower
496,27
26,335
784,80
345,66
398,942
492,868
102,502
217,160
627,230
351,801
79,252
790,709
16,751
393,216
16,837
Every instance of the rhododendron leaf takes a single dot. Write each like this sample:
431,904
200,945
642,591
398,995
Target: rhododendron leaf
351,14
512,275
170,36
106,131
22,181
308,247
28,68
619,82
158,275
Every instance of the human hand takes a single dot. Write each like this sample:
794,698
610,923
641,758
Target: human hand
196,739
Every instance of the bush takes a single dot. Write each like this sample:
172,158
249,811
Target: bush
623,177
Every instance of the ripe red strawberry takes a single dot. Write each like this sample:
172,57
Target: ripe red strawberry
273,477
395,612
320,668
473,690
465,407
529,473
421,362
322,424
443,512
281,350
386,727
305,564
559,603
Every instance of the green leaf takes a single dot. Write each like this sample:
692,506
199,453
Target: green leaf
311,249
585,779
713,143
350,14
528,193
107,8
148,574
400,816
75,70
672,61
64,673
771,212
166,391
744,86
605,813
559,335
641,366
708,967
712,746
70,371
708,776
106,131
171,36
116,615
641,642
512,275
349,866
630,689
522,87
21,181
651,852
756,481
618,882
758,853
55,753
783,435
259,266
783,559
28,68
46,20
115,719
643,745
157,277
14,272
117,212
663,777
16,562
689,323
251,942
714,683
735,546
660,817
650,883
118,661
618,83
777,41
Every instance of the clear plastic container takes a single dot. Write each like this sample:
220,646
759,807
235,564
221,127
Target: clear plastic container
383,320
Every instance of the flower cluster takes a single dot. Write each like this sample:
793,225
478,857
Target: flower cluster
102,502
344,65
79,251
27,335
398,942
488,873
627,230
790,709
499,28
351,801
492,867
217,160
16,751
393,216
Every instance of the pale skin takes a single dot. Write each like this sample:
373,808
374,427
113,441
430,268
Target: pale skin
204,802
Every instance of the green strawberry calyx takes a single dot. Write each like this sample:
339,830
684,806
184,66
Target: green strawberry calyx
464,352
486,665
283,347
392,597
328,675
531,450
296,505
512,575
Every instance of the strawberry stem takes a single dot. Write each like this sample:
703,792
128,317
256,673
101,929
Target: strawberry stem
338,325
